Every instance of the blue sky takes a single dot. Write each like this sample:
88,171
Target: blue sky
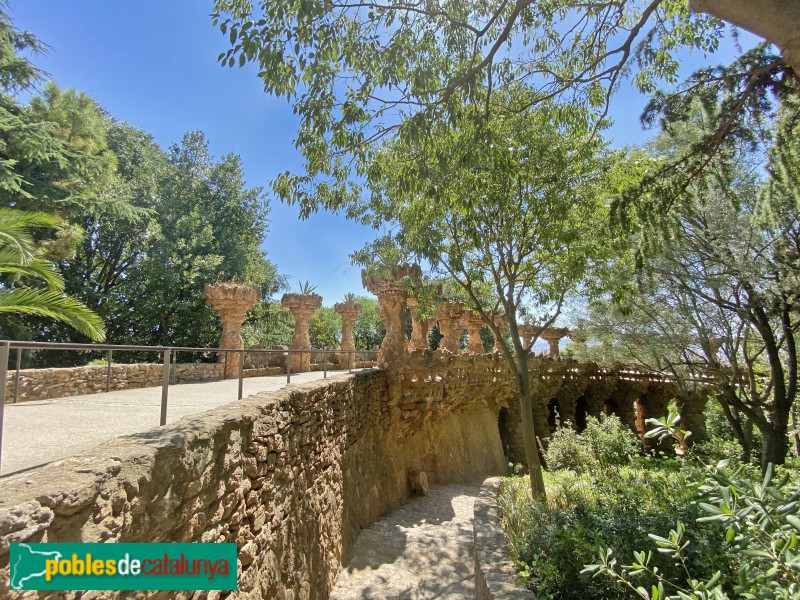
153,63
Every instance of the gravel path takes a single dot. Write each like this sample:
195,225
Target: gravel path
422,550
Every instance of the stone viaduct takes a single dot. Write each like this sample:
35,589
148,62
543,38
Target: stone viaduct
292,476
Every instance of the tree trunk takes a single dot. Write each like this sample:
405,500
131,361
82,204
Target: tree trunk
529,428
775,441
775,448
777,21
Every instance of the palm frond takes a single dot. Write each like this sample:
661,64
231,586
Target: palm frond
54,305
41,269
15,228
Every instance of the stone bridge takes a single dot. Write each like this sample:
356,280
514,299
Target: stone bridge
292,476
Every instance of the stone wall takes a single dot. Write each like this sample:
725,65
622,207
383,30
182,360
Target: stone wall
495,573
41,384
290,476
566,389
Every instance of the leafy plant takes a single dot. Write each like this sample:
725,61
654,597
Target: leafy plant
605,442
759,518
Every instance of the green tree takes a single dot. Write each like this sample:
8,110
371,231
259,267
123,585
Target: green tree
325,328
719,283
357,73
209,228
368,330
514,204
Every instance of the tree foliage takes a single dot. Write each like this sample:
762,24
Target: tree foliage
357,73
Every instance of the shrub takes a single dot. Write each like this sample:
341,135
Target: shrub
760,518
553,540
605,442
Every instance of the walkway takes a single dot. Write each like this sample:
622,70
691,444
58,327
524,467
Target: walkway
38,432
421,551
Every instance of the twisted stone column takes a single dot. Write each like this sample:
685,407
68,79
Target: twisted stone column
419,328
302,306
473,323
349,312
526,333
449,316
231,302
553,336
500,323
391,309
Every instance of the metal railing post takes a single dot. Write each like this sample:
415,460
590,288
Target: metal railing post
165,387
241,372
16,375
3,376
350,361
225,365
324,366
289,367
108,370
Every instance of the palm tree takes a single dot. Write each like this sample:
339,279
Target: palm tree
19,256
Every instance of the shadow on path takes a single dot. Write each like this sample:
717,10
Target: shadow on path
422,550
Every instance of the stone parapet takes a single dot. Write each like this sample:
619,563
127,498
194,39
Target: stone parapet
495,573
290,476
41,384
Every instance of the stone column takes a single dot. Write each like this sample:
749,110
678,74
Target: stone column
473,322
302,306
500,323
553,335
231,302
419,328
391,309
349,312
526,333
449,316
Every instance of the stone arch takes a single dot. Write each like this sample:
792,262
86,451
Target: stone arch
503,425
581,414
552,409
610,407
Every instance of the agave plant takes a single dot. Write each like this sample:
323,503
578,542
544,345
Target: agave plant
19,257
350,298
306,287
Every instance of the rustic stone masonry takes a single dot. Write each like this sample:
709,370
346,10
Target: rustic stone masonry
40,384
495,572
564,391
290,476
302,307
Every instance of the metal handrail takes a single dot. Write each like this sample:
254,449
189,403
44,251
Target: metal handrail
167,352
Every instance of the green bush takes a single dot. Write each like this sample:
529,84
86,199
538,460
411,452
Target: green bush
605,442
553,540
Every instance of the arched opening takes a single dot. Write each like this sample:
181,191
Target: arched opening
552,416
640,415
505,433
610,407
581,413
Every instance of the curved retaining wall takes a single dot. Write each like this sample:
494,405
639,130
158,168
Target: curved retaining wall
290,476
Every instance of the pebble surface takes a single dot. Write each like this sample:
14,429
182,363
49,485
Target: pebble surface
422,550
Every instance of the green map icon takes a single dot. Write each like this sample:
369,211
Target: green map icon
28,564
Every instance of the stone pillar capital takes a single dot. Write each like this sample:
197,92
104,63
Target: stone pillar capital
302,307
231,302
